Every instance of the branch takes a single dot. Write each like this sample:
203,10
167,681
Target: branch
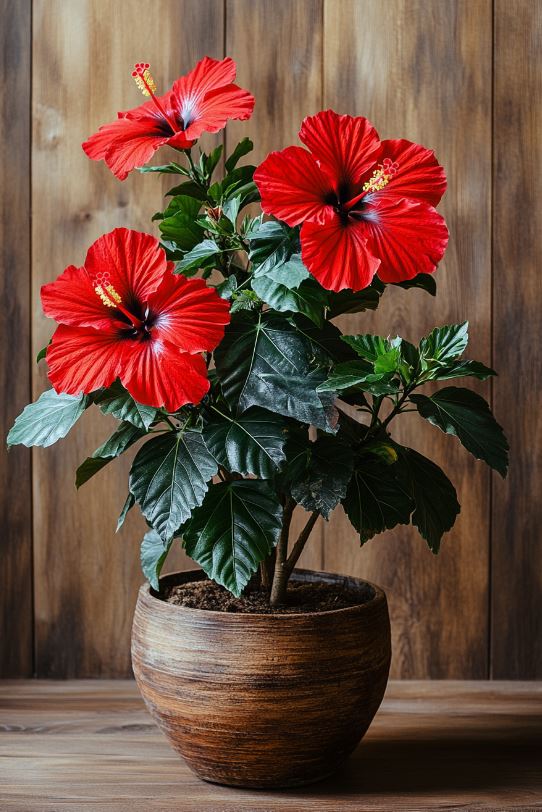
297,549
280,576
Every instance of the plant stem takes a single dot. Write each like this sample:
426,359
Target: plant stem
280,576
297,549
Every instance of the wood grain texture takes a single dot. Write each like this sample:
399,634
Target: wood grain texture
262,701
422,70
15,502
85,745
86,578
278,47
516,629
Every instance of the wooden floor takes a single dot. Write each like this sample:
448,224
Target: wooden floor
90,745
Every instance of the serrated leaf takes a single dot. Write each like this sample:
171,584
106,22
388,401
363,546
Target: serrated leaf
264,361
126,508
309,298
236,527
445,344
153,555
243,148
463,369
425,281
117,401
169,478
326,480
375,500
436,506
326,340
290,273
198,256
48,419
121,439
368,346
252,443
349,374
272,244
466,415
182,230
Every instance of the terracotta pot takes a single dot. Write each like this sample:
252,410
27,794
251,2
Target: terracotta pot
262,700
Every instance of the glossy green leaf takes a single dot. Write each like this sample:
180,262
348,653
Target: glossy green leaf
425,281
263,361
153,555
182,230
445,344
436,506
271,245
349,301
349,374
368,346
183,204
252,443
198,256
169,478
189,188
243,148
126,508
168,169
48,419
236,527
375,500
42,353
117,401
121,439
463,369
467,415
309,298
325,482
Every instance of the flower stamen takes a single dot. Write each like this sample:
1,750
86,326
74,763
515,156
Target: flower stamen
381,176
143,78
111,298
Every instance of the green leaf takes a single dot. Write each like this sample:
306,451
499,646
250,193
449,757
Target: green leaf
368,346
272,244
115,400
309,298
326,340
48,419
189,188
231,208
238,183
250,444
329,471
348,301
462,369
209,162
153,554
227,288
236,527
425,281
436,506
198,256
182,229
264,361
128,505
243,148
388,361
375,500
444,344
183,204
168,169
121,439
297,451
42,353
467,415
169,478
359,374
290,273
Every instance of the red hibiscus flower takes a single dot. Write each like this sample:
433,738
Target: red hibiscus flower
125,315
201,101
367,206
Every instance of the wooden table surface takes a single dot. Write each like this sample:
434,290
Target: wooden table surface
90,745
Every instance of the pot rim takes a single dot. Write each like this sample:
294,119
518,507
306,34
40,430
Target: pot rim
149,595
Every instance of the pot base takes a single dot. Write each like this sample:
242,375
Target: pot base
262,700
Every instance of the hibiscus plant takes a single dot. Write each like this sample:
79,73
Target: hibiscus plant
217,344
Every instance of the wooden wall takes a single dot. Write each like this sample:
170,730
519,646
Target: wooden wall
461,76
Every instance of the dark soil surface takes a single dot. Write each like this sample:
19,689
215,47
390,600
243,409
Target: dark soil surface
301,598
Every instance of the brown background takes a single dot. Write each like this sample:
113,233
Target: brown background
460,76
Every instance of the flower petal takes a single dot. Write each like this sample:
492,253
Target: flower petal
293,187
344,146
213,112
134,261
419,175
337,255
207,75
81,359
409,237
157,374
71,299
127,142
191,315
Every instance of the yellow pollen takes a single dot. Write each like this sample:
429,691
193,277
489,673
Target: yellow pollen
109,295
145,82
378,180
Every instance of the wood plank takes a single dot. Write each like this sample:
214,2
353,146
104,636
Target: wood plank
278,48
433,745
86,578
516,631
422,70
16,656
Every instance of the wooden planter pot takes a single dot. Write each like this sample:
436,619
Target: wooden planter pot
262,700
